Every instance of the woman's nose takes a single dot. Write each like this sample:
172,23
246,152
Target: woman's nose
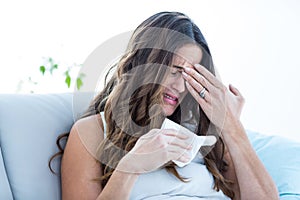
179,84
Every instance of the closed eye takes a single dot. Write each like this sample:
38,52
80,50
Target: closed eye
177,69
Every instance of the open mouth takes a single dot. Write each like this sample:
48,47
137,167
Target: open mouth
170,99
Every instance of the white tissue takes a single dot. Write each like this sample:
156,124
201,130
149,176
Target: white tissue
193,139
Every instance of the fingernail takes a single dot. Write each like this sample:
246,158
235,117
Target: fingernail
197,65
187,69
184,74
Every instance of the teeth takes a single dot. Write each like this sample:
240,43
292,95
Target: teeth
172,98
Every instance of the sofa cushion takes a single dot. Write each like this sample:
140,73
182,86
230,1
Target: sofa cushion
4,184
281,158
29,127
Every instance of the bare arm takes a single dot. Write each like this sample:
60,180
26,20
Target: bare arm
231,175
223,107
254,182
79,167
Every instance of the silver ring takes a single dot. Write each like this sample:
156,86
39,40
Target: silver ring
202,93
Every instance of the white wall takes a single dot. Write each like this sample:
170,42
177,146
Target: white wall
254,44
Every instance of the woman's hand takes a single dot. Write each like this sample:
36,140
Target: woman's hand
155,149
222,106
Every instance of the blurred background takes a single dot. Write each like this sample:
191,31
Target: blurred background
254,44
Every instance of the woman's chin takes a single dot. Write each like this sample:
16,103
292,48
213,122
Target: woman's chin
168,110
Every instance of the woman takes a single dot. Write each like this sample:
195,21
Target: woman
118,151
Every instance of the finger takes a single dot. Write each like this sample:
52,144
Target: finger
234,90
197,86
175,153
184,144
206,107
208,75
183,159
174,133
195,83
170,132
194,78
196,95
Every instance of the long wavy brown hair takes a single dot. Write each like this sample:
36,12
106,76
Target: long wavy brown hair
130,99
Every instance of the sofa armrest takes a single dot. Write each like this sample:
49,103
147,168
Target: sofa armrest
29,127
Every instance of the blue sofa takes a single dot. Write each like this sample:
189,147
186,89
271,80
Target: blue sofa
30,124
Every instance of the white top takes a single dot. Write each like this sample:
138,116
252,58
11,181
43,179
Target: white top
160,184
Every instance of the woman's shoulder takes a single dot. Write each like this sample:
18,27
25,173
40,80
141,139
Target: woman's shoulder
92,121
90,132
79,162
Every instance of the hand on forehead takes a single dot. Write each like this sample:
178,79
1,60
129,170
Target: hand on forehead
187,56
181,62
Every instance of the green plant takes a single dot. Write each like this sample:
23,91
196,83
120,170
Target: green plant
50,66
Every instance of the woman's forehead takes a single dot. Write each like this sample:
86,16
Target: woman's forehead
181,62
187,55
